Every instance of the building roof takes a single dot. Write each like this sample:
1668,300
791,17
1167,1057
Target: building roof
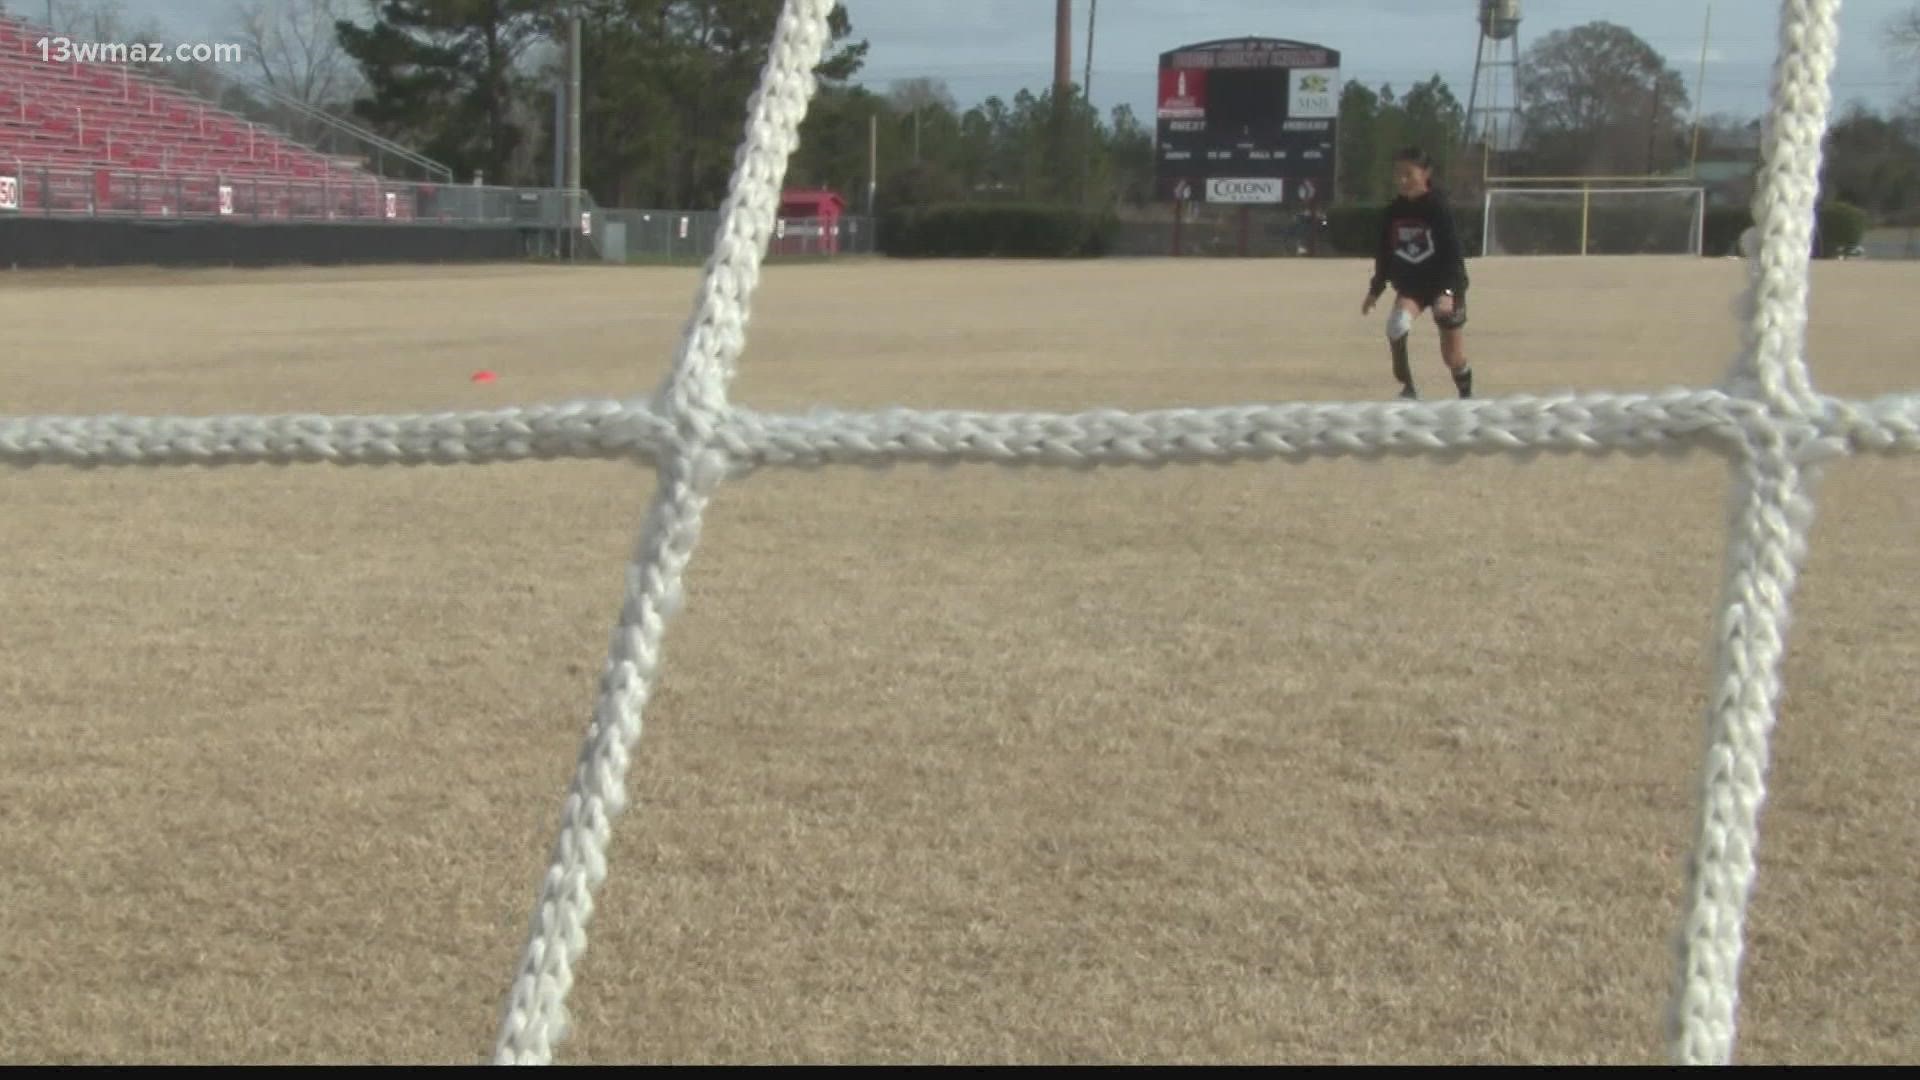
1718,172
811,195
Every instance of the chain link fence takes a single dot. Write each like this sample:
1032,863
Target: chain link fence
628,235
560,223
68,191
1220,231
1892,243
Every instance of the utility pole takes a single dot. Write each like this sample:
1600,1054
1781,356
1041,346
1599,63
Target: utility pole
573,131
1086,83
1700,96
1062,89
1062,46
1653,128
559,134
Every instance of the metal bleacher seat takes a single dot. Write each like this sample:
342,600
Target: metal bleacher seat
105,138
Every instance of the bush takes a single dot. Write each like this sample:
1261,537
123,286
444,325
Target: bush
1355,229
997,230
1723,228
918,185
1565,224
1842,226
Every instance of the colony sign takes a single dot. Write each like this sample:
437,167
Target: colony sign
1227,189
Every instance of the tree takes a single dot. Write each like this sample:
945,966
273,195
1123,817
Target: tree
628,122
295,49
1130,148
106,22
1871,162
833,143
444,74
1726,137
664,89
727,43
294,55
1431,118
1597,100
1902,39
916,97
1376,124
1903,32
97,21
1361,154
1389,135
1904,29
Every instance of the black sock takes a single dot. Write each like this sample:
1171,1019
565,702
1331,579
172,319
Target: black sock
1402,370
1463,381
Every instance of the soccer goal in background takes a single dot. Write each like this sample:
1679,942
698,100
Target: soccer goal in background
1595,218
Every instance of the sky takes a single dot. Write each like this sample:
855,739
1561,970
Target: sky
985,47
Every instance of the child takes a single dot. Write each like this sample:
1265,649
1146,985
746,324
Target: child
1421,257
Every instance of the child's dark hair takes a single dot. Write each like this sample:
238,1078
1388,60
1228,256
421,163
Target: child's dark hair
1413,155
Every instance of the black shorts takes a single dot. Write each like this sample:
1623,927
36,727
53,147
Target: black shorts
1426,298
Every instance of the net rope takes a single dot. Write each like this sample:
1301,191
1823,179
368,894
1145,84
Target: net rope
1767,420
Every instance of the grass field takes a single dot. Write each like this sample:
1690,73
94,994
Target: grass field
1324,763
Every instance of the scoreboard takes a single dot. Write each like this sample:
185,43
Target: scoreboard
1247,121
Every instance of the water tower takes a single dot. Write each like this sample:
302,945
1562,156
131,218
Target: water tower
1493,108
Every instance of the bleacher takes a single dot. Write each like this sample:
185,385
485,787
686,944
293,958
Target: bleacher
92,138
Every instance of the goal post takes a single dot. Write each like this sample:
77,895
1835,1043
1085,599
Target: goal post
1594,220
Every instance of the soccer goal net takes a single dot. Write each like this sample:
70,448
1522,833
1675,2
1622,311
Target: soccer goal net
1595,221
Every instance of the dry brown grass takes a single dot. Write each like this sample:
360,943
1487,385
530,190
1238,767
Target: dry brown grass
1333,762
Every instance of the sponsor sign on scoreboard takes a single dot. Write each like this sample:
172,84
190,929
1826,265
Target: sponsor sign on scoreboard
1183,94
1226,189
1314,95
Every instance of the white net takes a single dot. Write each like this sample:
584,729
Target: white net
1595,221
1767,421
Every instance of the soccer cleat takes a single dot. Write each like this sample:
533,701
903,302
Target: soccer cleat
1407,393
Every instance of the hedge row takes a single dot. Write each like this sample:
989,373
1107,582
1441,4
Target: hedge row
1355,230
1037,230
997,230
1841,226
